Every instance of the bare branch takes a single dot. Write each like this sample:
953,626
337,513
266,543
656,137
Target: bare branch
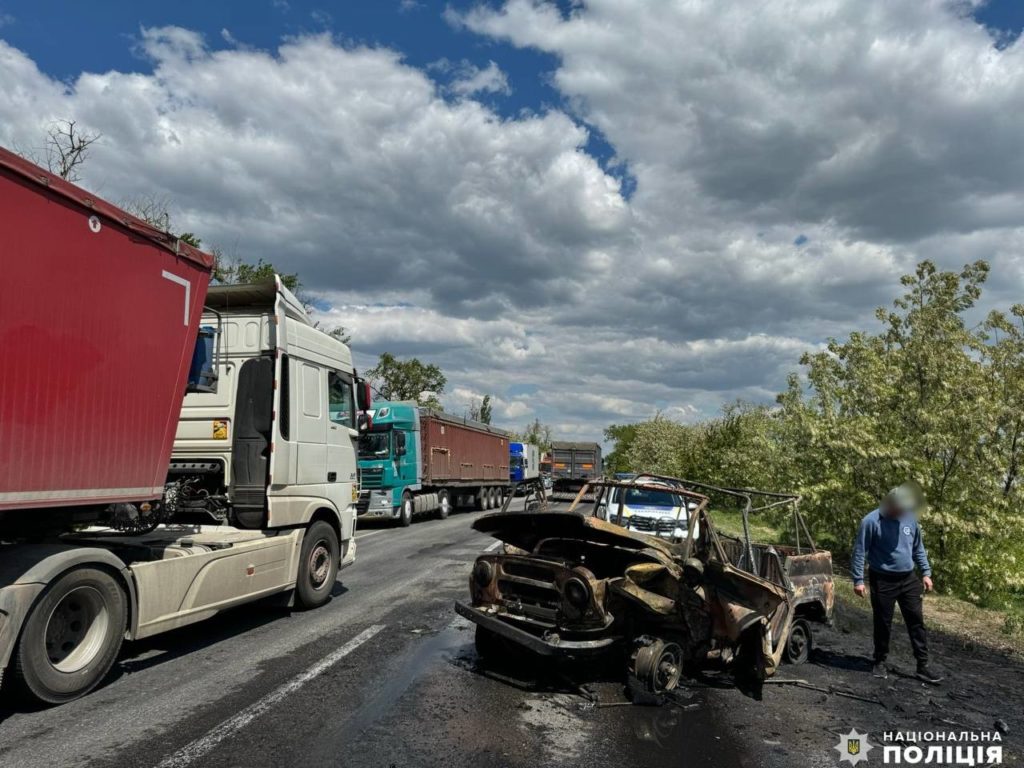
67,147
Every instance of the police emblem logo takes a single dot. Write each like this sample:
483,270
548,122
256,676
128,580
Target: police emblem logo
906,530
853,747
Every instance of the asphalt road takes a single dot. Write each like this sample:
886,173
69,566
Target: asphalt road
385,674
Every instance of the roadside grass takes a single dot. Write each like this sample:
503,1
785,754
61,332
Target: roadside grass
971,624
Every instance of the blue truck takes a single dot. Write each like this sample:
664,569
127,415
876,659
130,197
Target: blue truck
414,461
523,461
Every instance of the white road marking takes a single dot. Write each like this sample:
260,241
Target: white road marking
368,534
494,546
201,746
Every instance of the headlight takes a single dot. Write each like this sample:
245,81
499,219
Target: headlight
483,573
576,592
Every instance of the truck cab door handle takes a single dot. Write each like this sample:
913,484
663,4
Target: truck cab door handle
332,477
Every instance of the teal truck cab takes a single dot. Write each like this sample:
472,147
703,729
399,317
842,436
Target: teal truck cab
414,461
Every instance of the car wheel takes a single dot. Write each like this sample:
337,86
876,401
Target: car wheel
798,646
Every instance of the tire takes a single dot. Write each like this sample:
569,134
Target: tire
481,499
444,504
405,511
799,642
495,498
318,565
71,637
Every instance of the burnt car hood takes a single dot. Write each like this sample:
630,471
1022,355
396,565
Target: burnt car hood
525,529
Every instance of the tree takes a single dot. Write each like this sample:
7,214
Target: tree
232,271
481,411
411,379
538,434
623,436
924,397
67,147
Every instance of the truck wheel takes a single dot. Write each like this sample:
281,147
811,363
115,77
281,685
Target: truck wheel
71,637
798,646
444,504
481,499
405,511
495,498
318,565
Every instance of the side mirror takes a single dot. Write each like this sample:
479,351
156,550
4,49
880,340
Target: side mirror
400,443
364,401
363,422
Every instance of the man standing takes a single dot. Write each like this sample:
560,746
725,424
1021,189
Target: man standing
890,539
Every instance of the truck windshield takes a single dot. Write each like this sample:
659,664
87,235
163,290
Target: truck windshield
516,461
374,445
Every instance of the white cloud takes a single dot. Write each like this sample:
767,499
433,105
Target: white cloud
874,133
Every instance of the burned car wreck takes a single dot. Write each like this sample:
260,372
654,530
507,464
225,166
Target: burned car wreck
572,584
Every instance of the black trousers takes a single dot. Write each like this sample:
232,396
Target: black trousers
888,589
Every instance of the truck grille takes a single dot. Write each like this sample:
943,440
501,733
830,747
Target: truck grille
363,504
371,478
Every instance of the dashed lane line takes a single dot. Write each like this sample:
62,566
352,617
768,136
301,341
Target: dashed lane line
203,745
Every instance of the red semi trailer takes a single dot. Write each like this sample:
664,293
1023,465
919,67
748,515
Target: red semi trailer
101,337
99,314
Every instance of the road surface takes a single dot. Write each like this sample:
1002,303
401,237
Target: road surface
386,675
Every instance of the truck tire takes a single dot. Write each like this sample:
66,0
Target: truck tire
481,499
444,504
318,565
71,637
405,510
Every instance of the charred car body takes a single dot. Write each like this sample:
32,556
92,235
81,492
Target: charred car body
572,584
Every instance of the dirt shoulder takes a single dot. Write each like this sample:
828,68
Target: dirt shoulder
796,726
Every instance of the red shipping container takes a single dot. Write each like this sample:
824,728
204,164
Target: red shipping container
99,313
459,449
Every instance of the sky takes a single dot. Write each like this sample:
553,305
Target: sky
592,211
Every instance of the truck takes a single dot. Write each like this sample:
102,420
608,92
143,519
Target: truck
415,460
572,465
159,462
523,461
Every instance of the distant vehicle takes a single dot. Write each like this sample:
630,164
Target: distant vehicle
548,482
523,462
653,508
572,465
414,461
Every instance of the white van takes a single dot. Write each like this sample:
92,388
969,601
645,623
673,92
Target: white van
656,512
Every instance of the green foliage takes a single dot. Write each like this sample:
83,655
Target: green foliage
623,436
481,411
231,272
926,398
410,379
537,433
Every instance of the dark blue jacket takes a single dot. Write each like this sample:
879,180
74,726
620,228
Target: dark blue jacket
890,544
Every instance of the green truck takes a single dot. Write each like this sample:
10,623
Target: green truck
416,461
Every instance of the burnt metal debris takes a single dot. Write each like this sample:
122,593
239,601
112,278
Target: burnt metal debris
576,584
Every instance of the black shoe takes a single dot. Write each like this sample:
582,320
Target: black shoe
880,670
926,674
